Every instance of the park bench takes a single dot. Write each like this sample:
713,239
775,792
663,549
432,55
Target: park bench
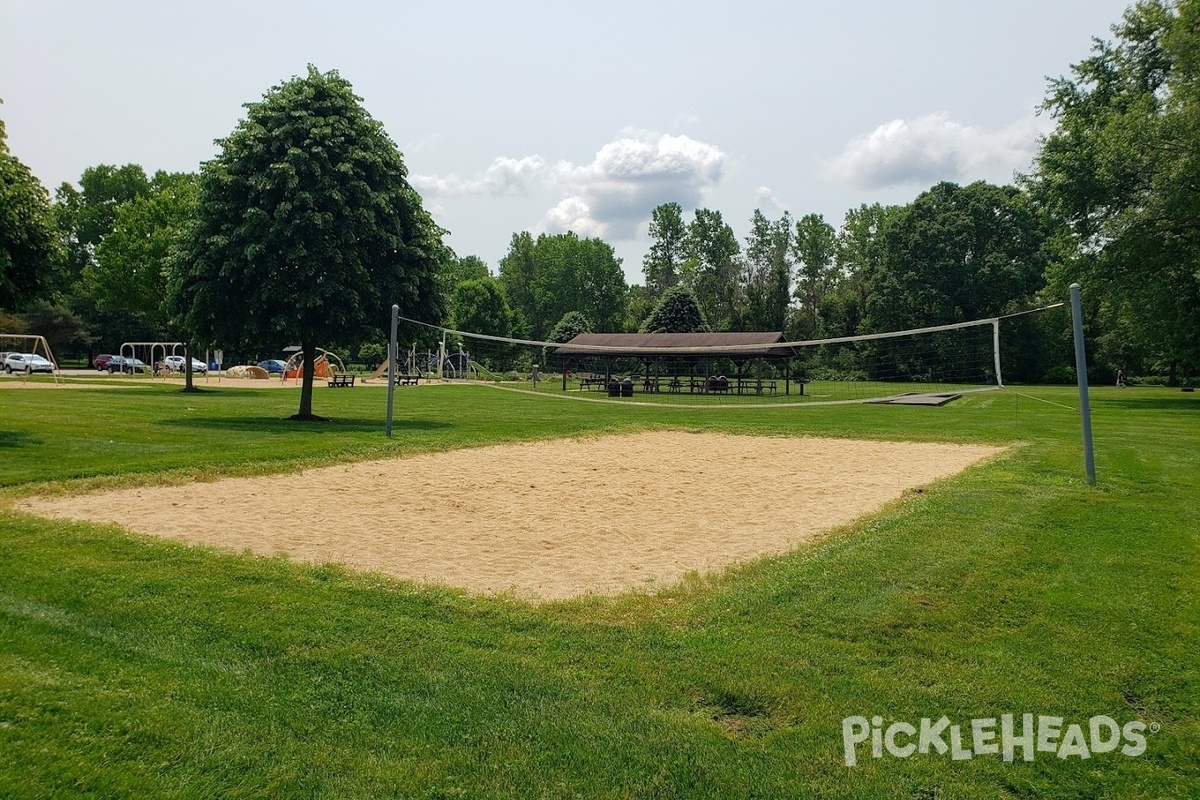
344,379
404,379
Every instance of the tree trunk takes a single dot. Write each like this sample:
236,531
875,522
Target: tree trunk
306,384
188,386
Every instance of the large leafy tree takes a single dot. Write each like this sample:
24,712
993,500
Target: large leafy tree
478,306
638,307
29,250
815,249
307,229
132,261
859,258
85,215
957,253
1122,169
768,279
544,278
456,270
131,266
64,330
664,260
518,276
712,268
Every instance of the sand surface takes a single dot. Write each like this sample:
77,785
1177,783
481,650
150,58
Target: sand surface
544,520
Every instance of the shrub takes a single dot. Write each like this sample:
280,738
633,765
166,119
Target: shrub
372,354
571,325
1060,374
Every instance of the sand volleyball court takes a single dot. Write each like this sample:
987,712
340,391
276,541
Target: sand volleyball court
543,520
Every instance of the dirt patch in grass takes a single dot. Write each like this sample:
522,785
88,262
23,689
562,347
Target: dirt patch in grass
543,520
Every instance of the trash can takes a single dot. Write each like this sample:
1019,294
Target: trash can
627,388
614,387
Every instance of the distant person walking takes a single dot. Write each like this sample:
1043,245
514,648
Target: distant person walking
1120,378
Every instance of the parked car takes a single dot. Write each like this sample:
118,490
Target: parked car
100,362
26,362
273,366
126,365
176,364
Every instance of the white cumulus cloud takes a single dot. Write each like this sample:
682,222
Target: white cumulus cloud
505,176
608,196
931,148
572,214
765,198
628,177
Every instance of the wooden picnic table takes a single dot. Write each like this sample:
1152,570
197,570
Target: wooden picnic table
695,384
757,385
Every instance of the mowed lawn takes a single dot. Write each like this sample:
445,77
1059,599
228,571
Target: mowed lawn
133,667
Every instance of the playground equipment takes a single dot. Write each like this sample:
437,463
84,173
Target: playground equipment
152,354
37,345
327,365
248,371
425,363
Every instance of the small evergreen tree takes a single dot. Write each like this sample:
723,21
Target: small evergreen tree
676,312
571,325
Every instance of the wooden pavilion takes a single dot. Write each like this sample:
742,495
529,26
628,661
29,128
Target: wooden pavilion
664,356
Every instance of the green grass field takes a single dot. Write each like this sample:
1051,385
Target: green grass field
815,392
133,667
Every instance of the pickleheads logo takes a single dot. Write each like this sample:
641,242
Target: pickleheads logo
992,736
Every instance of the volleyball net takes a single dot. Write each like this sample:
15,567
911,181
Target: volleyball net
740,367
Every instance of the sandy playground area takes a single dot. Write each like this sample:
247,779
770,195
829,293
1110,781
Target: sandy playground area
544,520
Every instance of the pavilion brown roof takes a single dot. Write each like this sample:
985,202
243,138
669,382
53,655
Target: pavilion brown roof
746,344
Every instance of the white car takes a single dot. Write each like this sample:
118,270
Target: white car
26,362
176,364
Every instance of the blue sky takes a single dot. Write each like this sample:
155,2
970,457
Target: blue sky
548,116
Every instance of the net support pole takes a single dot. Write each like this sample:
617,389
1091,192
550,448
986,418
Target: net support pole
1085,408
393,355
442,354
996,352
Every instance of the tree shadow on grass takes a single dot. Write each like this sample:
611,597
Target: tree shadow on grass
280,425
1184,401
16,439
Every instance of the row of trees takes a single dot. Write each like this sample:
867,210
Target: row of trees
1121,174
305,229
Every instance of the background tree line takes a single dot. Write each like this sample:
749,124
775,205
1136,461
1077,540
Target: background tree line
1110,201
